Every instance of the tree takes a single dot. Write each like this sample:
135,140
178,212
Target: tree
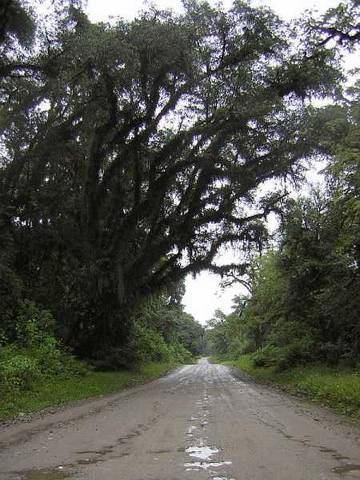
339,302
132,152
16,23
216,333
304,303
168,319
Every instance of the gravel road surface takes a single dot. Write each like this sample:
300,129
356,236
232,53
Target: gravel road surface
199,422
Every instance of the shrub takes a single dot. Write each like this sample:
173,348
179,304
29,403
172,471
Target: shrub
35,354
53,360
18,371
239,346
179,353
150,344
34,326
298,351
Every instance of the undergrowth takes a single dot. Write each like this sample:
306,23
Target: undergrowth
36,371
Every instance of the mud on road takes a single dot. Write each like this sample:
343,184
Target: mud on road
200,422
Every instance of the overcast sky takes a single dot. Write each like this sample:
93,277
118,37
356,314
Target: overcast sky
101,9
203,294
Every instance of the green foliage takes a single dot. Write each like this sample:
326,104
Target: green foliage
34,327
18,370
16,21
159,316
179,353
35,354
304,303
160,331
217,334
128,167
163,332
150,344
153,348
293,353
254,317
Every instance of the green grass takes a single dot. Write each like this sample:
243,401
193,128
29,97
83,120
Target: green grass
337,388
59,391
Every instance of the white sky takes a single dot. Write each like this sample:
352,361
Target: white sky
100,10
203,294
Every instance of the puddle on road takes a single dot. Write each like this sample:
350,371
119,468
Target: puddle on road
197,466
350,470
222,478
205,456
204,452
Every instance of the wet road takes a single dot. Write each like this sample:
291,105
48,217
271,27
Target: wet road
197,423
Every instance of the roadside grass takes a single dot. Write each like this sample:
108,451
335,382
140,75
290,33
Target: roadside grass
53,392
337,388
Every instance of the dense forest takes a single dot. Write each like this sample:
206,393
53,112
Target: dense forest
302,299
133,152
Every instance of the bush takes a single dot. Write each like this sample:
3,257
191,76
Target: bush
299,351
149,344
179,353
239,346
265,357
35,354
146,345
34,326
54,361
18,371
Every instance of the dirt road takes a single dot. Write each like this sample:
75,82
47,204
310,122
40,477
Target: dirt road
199,422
